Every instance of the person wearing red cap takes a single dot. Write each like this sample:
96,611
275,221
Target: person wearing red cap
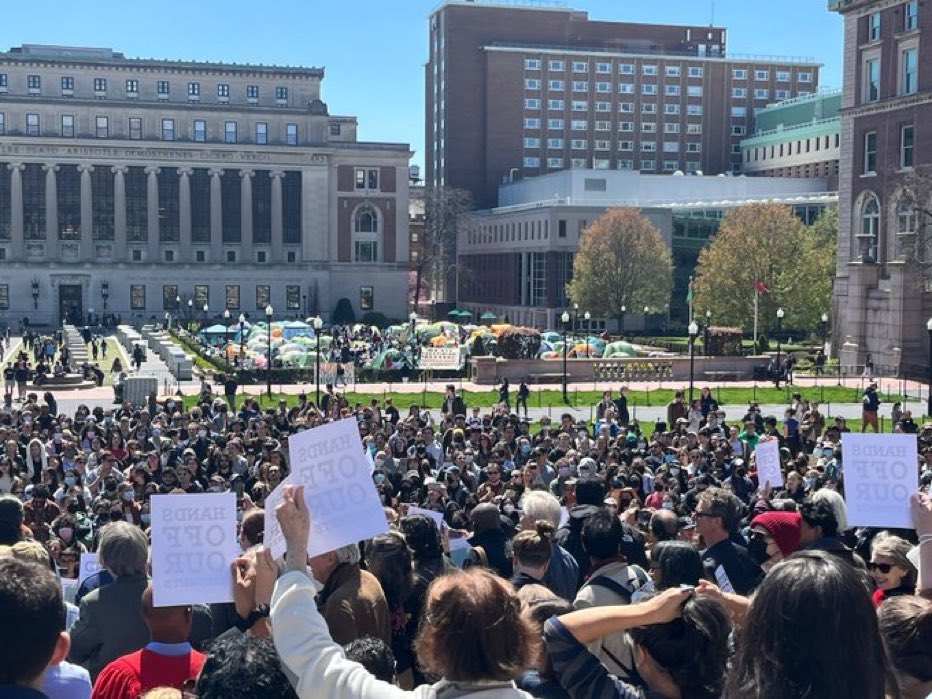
774,536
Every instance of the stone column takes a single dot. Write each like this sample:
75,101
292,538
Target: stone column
278,231
247,253
152,211
87,214
51,206
216,216
17,234
184,204
119,212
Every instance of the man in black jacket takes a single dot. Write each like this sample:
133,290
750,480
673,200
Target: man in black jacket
489,543
453,403
728,565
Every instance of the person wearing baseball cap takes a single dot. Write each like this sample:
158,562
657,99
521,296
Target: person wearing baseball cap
774,536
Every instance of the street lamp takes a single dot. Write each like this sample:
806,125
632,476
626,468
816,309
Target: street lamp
588,318
646,319
190,313
565,318
621,322
433,303
693,332
705,333
168,321
206,310
317,323
929,328
575,320
268,364
242,340
780,314
226,333
824,330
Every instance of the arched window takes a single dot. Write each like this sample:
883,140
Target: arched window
870,228
366,235
906,222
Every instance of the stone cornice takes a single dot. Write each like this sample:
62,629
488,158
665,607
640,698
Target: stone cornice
888,105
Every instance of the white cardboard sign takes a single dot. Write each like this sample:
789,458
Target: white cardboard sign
881,471
767,457
341,497
90,565
193,546
437,517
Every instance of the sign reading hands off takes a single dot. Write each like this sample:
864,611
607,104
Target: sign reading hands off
767,458
881,471
342,500
193,546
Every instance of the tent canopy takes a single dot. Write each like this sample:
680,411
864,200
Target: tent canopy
216,330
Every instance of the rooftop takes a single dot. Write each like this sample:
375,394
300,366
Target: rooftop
637,51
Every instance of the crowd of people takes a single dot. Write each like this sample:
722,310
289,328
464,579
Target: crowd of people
572,559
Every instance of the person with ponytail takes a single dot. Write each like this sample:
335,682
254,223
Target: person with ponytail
532,550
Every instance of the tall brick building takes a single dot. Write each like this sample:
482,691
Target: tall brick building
516,91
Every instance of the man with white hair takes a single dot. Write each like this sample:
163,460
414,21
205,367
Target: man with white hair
352,601
563,573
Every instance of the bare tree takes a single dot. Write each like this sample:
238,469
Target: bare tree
445,210
913,222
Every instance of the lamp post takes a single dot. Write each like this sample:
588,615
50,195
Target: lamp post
780,314
646,319
317,323
168,321
929,328
693,332
268,364
433,304
206,310
824,330
575,321
621,322
242,338
705,333
565,318
190,313
588,318
226,334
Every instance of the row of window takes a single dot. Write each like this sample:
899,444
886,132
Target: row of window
910,21
606,164
763,93
131,87
907,74
533,123
906,145
583,144
791,148
200,129
649,69
534,104
606,87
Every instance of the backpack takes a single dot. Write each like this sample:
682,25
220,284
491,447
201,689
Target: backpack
637,579
572,542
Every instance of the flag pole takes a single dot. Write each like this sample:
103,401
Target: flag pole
756,297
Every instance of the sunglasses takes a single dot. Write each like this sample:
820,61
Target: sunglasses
882,567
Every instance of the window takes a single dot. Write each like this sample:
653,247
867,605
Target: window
531,84
603,68
626,126
555,124
231,255
199,256
603,126
626,88
580,67
579,125
648,164
168,129
223,91
870,153
906,217
169,255
761,75
625,164
739,74
556,105
260,256
556,65
648,127
135,128
2,124
649,146
579,144
626,145
3,81
102,127
367,178
531,142
782,94
648,108
739,112
262,133
533,123
532,103
906,146
908,71
137,297
671,146
626,69
531,162
873,27
783,76
555,143
871,91
532,64
911,15
671,90
740,130
603,106
694,109
252,93
232,297
162,88
555,85
136,255
554,162
694,91
281,94
67,125
602,145
672,71
739,92
132,87
32,124
34,83
648,70
670,165
695,71
603,87
100,84
194,90
580,106
870,227
761,94
671,108
229,132
291,134
671,128
580,86
67,84
693,148
804,77
200,130
694,129
648,89
626,107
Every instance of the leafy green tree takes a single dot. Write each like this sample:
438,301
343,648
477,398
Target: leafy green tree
810,286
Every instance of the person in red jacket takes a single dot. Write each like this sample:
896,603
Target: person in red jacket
167,661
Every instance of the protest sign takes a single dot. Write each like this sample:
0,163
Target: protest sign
437,517
767,457
880,473
440,358
69,588
193,546
459,551
341,497
89,566
564,516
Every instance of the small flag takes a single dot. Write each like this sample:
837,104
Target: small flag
689,291
761,288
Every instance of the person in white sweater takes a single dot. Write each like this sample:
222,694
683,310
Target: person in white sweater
474,636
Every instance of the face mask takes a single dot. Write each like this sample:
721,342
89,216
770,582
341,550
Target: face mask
70,481
213,489
145,517
508,509
379,463
757,548
674,472
379,478
509,465
667,505
156,434
163,459
810,483
669,458
170,405
564,471
642,445
66,533
372,449
526,449
58,439
128,495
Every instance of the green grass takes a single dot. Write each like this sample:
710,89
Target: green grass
113,351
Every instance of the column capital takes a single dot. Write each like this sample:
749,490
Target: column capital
246,173
276,174
47,167
16,166
216,171
84,167
152,170
123,169
185,171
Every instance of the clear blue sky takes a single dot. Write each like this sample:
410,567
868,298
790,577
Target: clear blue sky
374,50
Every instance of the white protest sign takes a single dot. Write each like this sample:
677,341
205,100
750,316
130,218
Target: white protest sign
69,588
273,539
89,566
459,551
767,457
564,516
193,546
437,517
341,497
881,472
440,358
